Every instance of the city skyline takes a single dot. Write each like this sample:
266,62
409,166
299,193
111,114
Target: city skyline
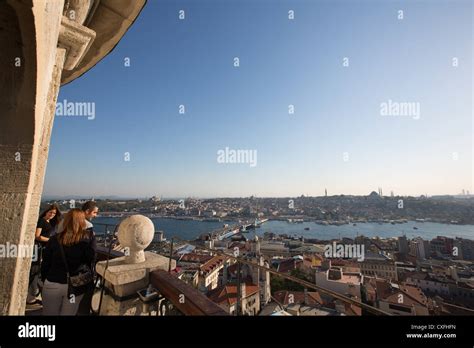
467,194
358,109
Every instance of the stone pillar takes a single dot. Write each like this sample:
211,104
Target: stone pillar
43,43
38,42
126,275
30,75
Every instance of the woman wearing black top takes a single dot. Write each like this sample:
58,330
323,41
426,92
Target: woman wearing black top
47,221
76,243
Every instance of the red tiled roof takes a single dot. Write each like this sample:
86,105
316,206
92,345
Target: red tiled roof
228,293
382,287
193,257
411,294
288,265
213,263
415,293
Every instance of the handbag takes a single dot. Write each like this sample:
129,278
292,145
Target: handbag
77,284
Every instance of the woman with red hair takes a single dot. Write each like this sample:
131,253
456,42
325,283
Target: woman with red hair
65,255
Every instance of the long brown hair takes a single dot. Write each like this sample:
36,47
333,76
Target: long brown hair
58,217
74,227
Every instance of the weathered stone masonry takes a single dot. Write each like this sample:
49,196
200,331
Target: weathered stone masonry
44,43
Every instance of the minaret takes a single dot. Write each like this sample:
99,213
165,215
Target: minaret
257,246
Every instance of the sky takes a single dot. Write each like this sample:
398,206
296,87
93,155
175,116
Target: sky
305,101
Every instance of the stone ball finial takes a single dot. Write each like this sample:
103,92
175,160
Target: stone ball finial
135,233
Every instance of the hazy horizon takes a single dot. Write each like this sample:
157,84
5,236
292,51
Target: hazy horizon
82,196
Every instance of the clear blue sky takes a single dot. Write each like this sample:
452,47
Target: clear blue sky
282,62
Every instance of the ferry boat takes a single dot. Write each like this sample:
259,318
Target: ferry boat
229,234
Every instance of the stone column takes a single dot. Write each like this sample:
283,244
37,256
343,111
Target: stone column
37,43
43,43
30,73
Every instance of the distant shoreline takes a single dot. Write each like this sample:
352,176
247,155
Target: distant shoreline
280,218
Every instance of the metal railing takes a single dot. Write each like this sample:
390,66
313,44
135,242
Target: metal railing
103,228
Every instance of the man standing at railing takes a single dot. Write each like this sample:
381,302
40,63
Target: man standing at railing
91,210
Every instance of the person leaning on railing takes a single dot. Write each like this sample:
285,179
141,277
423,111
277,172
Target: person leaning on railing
66,252
48,221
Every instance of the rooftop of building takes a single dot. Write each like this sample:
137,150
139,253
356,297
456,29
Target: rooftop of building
371,256
288,265
212,264
304,310
227,293
390,292
195,257
345,277
428,276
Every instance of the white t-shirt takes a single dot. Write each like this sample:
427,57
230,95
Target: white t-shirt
89,224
